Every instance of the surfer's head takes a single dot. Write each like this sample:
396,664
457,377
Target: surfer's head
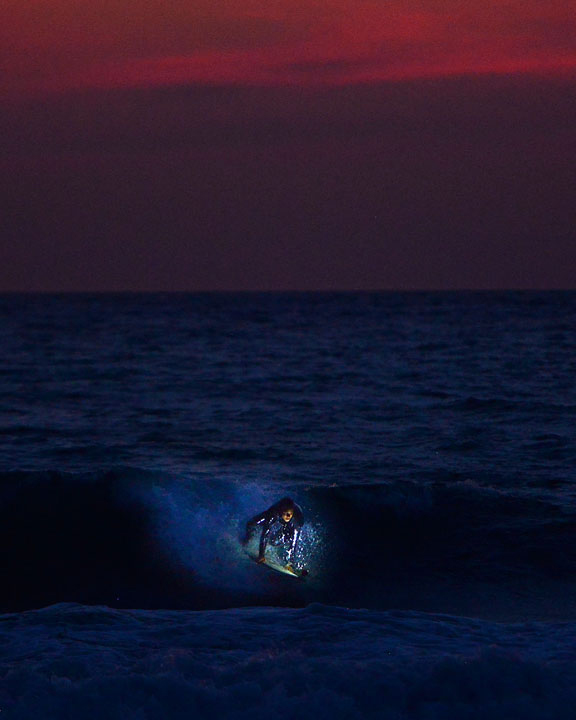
288,514
286,507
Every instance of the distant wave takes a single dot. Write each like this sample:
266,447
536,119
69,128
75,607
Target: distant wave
138,539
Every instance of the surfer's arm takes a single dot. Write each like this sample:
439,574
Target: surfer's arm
264,537
252,524
293,544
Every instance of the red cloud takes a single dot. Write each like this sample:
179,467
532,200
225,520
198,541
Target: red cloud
108,43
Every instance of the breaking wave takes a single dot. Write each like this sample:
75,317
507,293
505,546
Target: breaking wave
130,538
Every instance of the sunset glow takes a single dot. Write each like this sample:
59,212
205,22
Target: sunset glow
303,145
63,44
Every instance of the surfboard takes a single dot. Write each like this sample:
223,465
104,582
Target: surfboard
277,566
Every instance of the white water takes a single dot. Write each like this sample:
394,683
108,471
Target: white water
70,661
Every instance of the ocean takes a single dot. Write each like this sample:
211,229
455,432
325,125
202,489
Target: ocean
428,438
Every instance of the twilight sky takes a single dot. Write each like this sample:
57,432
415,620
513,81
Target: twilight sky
312,144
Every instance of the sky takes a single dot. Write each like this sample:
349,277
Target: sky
304,145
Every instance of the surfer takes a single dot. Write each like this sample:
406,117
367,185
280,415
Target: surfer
281,525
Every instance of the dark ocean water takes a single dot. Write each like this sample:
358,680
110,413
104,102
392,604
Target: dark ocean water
429,438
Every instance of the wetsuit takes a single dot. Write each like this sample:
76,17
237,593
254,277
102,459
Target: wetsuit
275,530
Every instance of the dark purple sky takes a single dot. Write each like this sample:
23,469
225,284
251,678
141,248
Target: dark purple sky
414,145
